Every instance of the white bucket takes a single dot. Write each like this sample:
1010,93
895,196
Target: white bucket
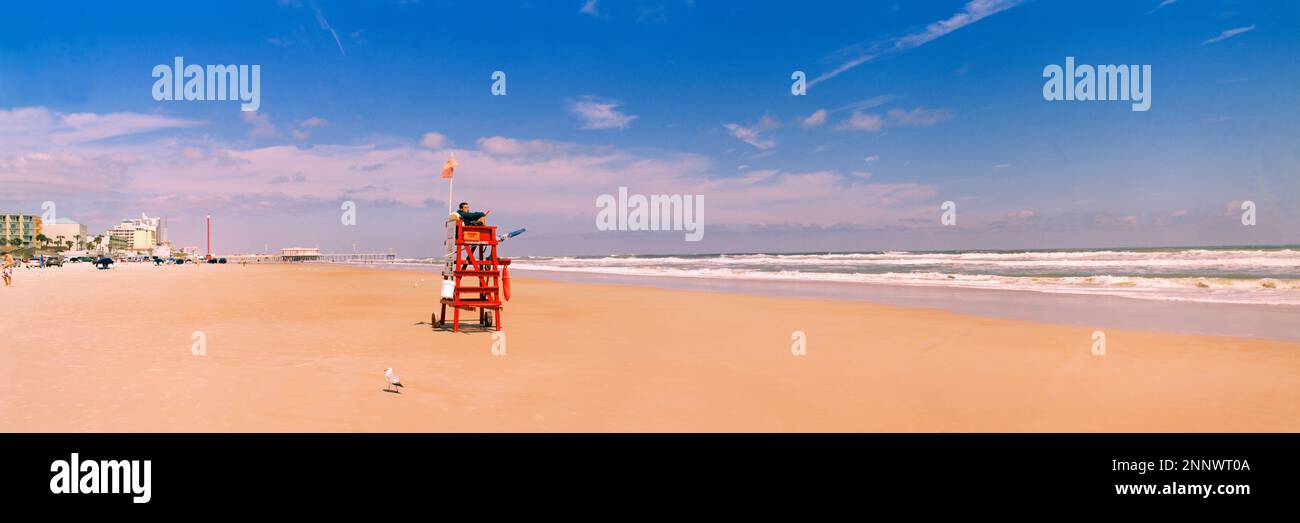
448,288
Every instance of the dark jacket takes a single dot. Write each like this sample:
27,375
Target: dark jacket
471,218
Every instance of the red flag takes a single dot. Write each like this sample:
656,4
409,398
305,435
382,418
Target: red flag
450,167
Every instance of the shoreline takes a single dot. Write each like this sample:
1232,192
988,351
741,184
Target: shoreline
303,348
1257,321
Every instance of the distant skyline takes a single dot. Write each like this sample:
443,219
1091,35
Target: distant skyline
908,105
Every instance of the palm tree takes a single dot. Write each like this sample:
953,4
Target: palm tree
69,243
42,239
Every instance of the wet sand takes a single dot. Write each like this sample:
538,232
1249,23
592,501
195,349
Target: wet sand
1273,322
303,348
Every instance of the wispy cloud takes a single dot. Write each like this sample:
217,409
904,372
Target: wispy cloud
302,131
262,126
236,181
871,122
20,127
597,113
1163,3
973,11
869,103
434,140
325,24
753,134
815,119
1229,33
652,15
861,121
589,8
919,116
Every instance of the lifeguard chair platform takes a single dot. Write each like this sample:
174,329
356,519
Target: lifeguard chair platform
476,274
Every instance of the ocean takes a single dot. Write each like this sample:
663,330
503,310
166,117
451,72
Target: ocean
1267,275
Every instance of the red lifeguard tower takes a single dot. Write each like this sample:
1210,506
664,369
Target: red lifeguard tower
478,275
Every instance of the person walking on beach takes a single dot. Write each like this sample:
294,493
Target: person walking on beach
8,269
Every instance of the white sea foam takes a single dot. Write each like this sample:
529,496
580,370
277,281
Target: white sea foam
1247,276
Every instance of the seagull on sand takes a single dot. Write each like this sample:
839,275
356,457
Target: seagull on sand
393,380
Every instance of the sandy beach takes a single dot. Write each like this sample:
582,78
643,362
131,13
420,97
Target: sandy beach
304,347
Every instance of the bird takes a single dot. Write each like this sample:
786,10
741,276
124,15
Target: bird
393,380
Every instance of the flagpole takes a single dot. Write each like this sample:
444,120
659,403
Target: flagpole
448,172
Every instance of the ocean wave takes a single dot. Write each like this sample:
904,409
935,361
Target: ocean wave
1195,275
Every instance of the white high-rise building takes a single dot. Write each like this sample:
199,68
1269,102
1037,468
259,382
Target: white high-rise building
138,234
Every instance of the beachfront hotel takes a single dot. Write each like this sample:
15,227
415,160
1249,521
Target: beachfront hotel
63,230
138,234
23,227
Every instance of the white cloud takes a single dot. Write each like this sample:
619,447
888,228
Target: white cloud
817,118
547,184
871,158
973,11
753,134
1229,33
589,8
325,24
871,122
597,113
861,121
434,140
303,130
22,126
869,103
918,116
261,122
503,146
1163,3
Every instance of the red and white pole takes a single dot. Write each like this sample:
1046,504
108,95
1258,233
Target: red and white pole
209,256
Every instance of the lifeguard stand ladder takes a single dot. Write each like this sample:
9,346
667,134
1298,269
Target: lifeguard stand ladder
476,271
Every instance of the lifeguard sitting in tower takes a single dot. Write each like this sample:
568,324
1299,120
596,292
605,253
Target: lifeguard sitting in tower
471,252
470,218
474,277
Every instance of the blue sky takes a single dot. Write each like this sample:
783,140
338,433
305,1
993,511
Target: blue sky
672,97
